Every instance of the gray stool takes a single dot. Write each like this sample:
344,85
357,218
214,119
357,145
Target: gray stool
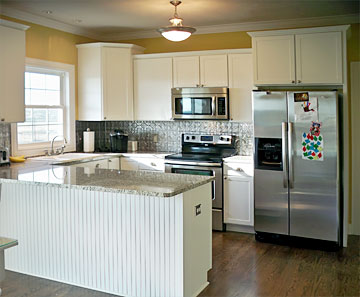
5,243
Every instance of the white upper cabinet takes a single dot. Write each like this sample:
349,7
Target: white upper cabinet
319,58
186,72
204,71
213,71
152,89
274,60
12,68
240,86
105,81
299,56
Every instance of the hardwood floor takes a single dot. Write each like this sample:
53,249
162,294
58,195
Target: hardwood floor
245,268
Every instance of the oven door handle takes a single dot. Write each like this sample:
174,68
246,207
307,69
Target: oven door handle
191,163
213,190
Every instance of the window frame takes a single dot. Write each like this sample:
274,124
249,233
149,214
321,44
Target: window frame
67,101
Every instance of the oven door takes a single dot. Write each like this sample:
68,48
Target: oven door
193,106
217,185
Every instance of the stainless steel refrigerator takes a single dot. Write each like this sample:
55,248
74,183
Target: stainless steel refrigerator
297,178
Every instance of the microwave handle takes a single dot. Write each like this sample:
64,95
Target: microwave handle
213,106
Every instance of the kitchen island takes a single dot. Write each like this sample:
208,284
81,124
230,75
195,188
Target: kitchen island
129,233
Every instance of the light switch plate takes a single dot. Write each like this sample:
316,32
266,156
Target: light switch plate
197,209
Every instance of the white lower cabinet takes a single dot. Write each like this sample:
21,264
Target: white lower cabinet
239,204
239,196
147,164
112,163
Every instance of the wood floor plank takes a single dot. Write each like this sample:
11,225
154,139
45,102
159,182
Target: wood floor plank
242,267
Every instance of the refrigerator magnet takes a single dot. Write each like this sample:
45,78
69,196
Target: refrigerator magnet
306,110
312,147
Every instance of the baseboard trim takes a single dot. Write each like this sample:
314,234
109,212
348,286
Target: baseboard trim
240,228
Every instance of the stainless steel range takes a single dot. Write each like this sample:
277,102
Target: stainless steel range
203,155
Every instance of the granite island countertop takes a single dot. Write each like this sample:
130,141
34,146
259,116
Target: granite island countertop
105,180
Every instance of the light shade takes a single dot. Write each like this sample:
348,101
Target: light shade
176,33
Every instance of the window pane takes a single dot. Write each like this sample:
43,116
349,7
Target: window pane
55,116
39,116
52,82
52,97
27,97
37,81
40,133
55,130
27,80
24,134
38,97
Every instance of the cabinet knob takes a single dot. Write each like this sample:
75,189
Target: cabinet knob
239,169
2,119
299,81
104,118
97,165
293,81
110,161
225,177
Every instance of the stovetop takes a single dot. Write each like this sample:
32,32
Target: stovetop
210,158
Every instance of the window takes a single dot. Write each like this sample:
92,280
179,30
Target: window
49,108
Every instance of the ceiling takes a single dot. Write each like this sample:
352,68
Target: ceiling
122,19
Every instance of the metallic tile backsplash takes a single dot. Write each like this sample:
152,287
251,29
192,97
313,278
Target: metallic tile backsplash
5,135
164,136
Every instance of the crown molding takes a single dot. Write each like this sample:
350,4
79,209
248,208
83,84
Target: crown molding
13,25
43,21
248,26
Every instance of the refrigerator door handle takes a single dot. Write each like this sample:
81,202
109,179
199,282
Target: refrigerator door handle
291,171
284,157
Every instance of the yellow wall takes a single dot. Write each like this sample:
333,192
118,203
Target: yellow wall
213,41
53,45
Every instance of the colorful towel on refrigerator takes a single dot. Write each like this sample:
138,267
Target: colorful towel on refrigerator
312,147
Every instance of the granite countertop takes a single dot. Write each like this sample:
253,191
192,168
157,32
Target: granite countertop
106,180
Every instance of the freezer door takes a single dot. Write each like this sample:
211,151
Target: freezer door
270,174
313,184
269,112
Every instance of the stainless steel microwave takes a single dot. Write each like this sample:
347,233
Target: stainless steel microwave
200,103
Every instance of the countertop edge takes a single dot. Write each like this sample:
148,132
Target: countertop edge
110,189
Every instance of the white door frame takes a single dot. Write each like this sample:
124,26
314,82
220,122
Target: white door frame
354,227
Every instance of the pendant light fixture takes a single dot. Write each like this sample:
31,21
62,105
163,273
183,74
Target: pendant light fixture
176,31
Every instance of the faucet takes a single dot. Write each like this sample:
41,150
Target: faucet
60,150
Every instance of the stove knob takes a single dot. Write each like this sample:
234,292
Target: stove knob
187,137
221,138
193,137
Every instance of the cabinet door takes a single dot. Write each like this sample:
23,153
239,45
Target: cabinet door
238,201
114,163
12,67
89,84
240,86
117,84
127,164
213,71
274,60
152,89
151,164
319,58
186,71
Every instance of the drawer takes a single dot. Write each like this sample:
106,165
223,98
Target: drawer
239,169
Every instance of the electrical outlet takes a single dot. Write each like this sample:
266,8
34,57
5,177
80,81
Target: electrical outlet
197,209
155,138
